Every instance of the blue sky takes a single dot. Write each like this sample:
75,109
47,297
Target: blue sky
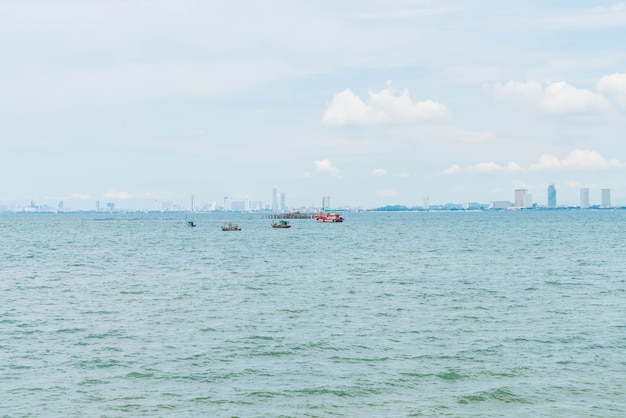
371,102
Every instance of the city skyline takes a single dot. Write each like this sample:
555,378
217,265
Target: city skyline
373,103
522,199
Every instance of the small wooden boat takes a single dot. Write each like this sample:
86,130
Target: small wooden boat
281,224
190,224
230,227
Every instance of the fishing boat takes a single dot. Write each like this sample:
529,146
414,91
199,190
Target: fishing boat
281,224
328,217
190,224
228,226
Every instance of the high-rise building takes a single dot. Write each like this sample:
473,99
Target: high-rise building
520,198
606,198
551,196
274,200
528,200
584,198
238,206
283,202
325,202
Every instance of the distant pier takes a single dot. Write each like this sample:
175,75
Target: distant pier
288,216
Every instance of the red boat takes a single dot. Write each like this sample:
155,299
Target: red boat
328,217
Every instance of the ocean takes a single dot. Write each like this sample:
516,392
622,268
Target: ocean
460,314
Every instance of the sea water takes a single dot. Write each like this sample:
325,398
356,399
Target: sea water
512,313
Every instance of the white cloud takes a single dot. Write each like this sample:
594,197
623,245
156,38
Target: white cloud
118,194
579,159
453,169
490,167
554,98
613,86
347,108
484,168
547,161
78,196
326,167
121,195
403,175
380,172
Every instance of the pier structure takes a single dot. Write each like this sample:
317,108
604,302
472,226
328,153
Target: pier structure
288,216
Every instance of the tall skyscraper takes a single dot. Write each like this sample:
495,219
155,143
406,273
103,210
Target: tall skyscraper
325,202
520,197
274,200
283,202
528,200
551,196
584,198
606,198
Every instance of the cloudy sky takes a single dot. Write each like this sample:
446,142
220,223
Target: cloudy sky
371,102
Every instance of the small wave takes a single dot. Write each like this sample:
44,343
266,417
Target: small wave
69,330
138,375
450,375
501,394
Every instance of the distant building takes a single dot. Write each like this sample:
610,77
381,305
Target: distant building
584,198
500,204
274,200
426,203
325,202
606,198
238,206
520,197
551,196
256,205
528,200
283,202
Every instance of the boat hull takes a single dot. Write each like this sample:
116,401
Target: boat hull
331,217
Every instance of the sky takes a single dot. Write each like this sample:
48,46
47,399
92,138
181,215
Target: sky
372,103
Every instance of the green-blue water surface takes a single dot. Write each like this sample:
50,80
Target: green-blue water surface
514,313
